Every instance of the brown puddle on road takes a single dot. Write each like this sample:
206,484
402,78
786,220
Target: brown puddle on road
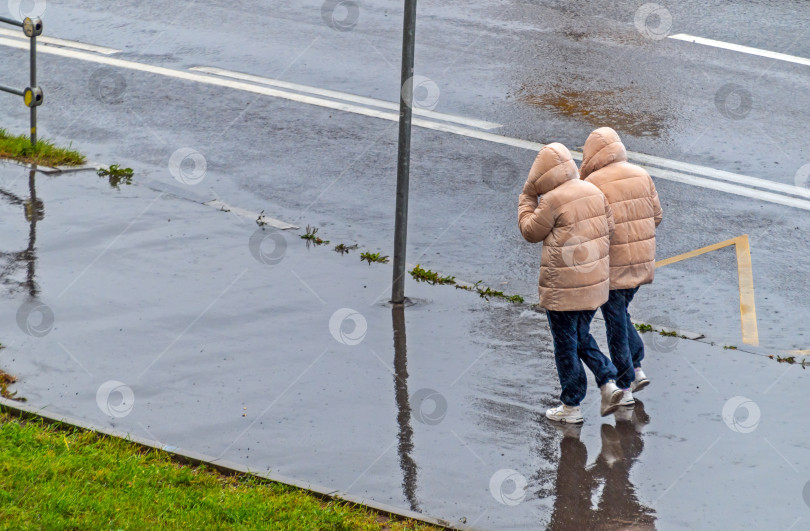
598,108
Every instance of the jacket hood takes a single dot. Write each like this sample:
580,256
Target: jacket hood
553,166
603,147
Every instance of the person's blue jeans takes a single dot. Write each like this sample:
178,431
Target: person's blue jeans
624,342
573,345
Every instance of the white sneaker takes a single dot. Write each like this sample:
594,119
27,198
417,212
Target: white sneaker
624,414
627,398
565,414
640,382
571,431
611,446
611,396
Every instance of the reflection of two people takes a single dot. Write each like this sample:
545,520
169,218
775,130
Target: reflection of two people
618,506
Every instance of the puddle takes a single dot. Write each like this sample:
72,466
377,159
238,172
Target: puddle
630,38
620,108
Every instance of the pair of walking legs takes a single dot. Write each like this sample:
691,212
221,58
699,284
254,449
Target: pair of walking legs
624,342
574,346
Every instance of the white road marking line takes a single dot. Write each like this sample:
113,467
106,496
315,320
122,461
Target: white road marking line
60,42
353,98
741,48
743,191
707,182
719,174
253,216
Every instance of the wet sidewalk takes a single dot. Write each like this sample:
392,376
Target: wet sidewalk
157,315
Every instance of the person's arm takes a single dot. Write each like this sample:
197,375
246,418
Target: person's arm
534,219
658,212
610,220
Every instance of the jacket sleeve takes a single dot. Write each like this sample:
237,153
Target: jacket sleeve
610,220
535,221
658,212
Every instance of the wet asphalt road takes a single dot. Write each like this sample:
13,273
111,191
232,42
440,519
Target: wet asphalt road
547,71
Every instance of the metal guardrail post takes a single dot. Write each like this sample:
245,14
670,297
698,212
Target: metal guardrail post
33,63
32,95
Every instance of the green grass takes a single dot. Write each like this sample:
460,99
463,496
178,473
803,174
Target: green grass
58,477
46,154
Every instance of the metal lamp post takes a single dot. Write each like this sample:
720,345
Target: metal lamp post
404,152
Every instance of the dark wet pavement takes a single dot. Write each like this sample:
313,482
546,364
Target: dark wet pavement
179,322
546,70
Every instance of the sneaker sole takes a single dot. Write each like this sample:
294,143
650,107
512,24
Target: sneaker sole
641,385
615,398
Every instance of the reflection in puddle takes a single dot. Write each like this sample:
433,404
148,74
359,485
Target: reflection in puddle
602,496
405,435
12,262
617,108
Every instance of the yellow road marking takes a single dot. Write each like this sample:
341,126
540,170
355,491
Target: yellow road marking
748,312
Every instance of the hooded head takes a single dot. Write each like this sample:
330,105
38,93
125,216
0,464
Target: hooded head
552,167
603,147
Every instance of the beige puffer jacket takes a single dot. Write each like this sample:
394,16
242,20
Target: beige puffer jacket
574,222
636,208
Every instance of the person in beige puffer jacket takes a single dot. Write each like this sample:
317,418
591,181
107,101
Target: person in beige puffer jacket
637,213
574,221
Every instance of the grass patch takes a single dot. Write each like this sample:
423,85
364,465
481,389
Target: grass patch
431,277
59,477
643,328
373,258
117,175
19,148
311,237
729,347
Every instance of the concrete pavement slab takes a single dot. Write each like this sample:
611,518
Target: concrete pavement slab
191,326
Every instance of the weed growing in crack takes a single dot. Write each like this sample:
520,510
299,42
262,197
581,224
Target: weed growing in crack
342,248
117,175
373,257
790,360
431,277
6,380
311,237
489,292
